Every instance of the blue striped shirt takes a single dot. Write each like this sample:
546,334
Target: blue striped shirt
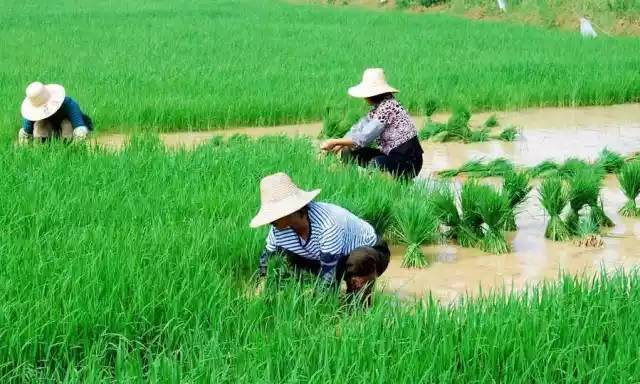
334,233
69,110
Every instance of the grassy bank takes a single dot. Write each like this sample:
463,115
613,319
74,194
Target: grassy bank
130,266
158,65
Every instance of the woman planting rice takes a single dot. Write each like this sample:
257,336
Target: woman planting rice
48,113
320,238
389,123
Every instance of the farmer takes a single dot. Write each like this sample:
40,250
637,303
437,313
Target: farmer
388,123
48,113
320,238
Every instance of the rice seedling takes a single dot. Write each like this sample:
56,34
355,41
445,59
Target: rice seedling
629,178
415,223
545,168
491,122
516,187
572,166
611,161
554,198
584,190
478,136
458,123
336,124
443,200
493,207
431,130
508,134
430,107
470,232
588,232
477,168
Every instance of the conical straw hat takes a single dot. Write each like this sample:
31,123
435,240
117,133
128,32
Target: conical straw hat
373,83
280,197
42,101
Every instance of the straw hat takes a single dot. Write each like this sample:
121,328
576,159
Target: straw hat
280,197
42,101
373,84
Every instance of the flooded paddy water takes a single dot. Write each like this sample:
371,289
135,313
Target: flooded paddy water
549,133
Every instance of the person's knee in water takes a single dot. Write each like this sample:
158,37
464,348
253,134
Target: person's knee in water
388,124
319,238
49,113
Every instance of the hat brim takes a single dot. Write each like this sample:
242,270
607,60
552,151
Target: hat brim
363,91
273,211
37,113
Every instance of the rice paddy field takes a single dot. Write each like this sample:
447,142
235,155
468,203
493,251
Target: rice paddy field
127,260
163,67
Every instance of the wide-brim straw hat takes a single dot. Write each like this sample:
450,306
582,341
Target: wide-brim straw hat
42,101
280,197
373,84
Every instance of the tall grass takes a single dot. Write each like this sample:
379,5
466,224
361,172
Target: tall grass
161,65
130,267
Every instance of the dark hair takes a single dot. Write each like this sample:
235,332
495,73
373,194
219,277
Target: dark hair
377,99
304,210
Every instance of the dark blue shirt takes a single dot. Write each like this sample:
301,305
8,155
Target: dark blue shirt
69,110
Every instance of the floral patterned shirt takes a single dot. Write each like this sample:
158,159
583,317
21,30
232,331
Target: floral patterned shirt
398,126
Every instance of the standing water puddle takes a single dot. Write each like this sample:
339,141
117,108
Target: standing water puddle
549,133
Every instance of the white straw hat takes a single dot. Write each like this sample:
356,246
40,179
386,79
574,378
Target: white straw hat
373,84
280,197
42,101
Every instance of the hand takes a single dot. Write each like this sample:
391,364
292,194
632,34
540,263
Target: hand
337,148
328,145
80,133
24,137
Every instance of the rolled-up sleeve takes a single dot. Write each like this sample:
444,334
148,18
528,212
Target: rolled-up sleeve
27,125
365,131
74,113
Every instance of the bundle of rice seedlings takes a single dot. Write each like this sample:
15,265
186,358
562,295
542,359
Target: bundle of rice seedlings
516,187
572,166
415,223
441,137
431,129
554,197
478,136
336,124
499,167
508,134
458,123
611,161
470,230
629,178
493,207
588,232
584,190
491,122
376,208
444,206
546,168
430,107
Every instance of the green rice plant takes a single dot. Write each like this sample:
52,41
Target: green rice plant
478,136
545,168
470,232
458,123
554,198
495,210
478,168
441,137
431,129
336,124
629,178
584,190
572,166
491,122
611,161
415,223
443,200
516,186
508,134
430,107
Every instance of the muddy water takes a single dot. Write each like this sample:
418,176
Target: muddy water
550,133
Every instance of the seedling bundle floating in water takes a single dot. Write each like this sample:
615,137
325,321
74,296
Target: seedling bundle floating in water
457,128
554,197
495,211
